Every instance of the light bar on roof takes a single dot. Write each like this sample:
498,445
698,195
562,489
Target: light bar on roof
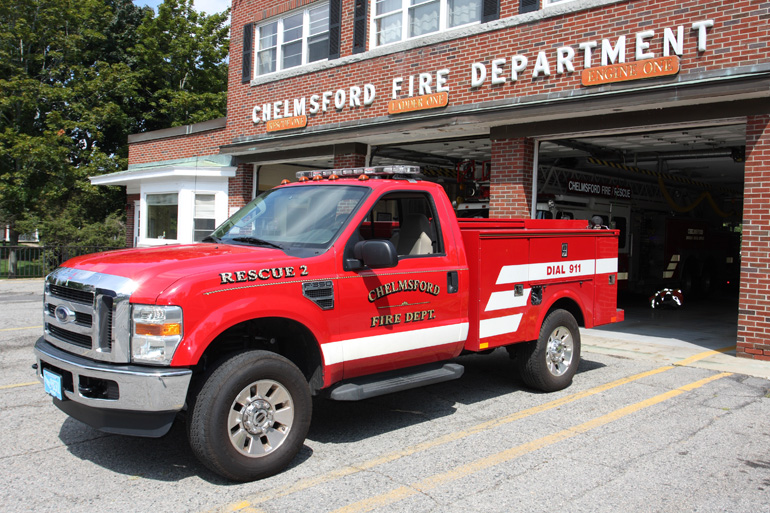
358,171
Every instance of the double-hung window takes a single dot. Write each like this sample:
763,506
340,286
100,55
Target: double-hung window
204,216
397,20
162,215
293,40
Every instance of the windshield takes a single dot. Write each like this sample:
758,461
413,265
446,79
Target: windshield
307,217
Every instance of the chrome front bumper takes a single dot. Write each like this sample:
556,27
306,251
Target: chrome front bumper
125,399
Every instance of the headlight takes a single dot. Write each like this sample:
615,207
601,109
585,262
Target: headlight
155,333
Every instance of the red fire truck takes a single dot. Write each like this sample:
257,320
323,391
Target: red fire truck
349,283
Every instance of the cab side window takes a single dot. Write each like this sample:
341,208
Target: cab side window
408,220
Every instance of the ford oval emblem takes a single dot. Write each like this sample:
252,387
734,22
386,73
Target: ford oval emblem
64,314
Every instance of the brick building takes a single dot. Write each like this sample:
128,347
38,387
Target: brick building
516,105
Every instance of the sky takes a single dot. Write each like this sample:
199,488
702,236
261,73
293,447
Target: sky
207,6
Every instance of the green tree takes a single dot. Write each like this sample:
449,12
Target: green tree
75,80
60,108
183,57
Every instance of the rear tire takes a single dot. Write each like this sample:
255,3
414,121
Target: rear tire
251,416
550,362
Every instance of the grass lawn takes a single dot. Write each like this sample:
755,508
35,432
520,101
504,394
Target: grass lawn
24,269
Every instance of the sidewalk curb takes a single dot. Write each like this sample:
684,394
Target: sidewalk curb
666,353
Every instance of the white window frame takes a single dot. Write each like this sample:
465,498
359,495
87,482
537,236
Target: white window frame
279,47
406,7
195,216
146,216
186,191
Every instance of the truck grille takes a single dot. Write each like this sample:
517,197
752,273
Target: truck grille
78,339
74,295
81,318
94,314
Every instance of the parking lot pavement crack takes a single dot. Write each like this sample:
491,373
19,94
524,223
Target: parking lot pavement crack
620,471
437,505
9,408
587,490
67,445
720,415
399,492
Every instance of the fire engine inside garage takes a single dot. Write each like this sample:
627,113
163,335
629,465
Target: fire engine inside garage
675,192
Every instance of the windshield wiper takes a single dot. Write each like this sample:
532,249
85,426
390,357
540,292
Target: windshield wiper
257,242
211,238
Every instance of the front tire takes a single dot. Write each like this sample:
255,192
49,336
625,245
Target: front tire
251,416
550,362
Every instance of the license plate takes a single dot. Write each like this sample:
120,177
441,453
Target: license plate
52,384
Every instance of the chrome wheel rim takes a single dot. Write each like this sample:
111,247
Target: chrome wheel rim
559,351
260,418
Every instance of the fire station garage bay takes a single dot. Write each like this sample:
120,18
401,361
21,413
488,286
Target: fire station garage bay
674,191
652,118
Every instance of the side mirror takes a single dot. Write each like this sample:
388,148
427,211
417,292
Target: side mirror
376,254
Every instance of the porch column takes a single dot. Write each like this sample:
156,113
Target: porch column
511,177
130,218
349,155
240,187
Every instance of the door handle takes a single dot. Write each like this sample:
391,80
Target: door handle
452,282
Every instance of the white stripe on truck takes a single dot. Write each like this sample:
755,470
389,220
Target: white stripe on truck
554,270
525,273
391,343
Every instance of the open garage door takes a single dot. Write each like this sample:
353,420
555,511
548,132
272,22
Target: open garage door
674,192
676,195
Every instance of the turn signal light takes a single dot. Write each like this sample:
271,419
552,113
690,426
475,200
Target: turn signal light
159,330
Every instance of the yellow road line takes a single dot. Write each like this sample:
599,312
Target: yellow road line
243,507
24,328
480,464
17,385
700,356
304,484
